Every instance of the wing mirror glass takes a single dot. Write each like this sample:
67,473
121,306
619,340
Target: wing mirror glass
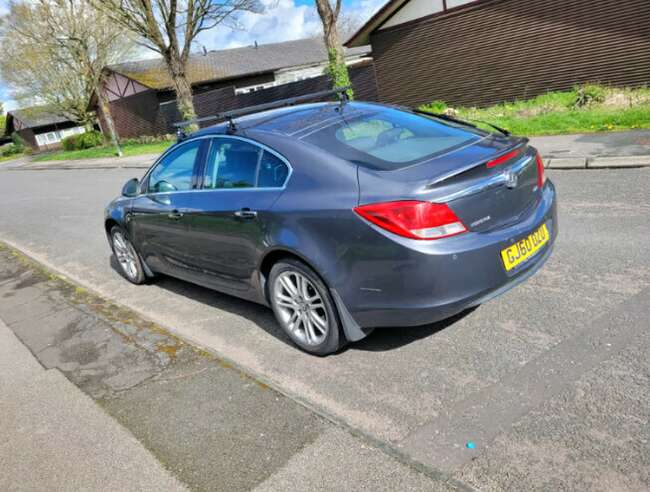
131,187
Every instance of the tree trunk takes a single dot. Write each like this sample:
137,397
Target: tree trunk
105,111
183,88
337,69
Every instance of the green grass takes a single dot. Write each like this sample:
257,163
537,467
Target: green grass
558,113
105,151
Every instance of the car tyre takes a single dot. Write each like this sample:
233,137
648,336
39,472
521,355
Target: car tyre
128,259
304,308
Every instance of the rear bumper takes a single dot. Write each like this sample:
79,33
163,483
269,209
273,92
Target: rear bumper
412,283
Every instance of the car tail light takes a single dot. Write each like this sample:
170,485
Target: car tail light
540,171
413,219
505,157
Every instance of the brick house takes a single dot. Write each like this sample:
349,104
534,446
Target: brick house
142,102
480,52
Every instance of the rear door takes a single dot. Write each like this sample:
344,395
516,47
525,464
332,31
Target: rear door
241,181
159,218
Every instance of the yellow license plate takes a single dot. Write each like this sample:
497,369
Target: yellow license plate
524,248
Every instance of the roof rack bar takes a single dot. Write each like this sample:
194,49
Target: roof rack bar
341,92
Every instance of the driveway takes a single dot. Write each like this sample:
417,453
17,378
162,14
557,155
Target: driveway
550,381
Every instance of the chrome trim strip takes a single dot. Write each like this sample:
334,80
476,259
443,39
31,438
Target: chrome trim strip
488,183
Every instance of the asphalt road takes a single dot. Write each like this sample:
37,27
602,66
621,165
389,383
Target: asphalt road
551,381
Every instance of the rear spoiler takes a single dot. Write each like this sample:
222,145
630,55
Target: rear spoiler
446,117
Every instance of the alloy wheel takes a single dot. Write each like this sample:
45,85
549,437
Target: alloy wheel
301,308
126,255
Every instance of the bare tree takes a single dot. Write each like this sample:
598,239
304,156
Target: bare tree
170,26
337,69
54,53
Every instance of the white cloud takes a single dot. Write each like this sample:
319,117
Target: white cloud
283,20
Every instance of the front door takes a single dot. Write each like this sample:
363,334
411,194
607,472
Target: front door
241,181
160,217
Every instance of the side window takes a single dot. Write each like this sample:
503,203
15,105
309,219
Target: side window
273,172
232,164
174,172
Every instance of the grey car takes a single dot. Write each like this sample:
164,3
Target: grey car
341,218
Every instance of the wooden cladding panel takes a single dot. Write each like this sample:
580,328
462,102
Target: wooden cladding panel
501,50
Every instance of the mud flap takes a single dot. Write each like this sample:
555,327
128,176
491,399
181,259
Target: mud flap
353,332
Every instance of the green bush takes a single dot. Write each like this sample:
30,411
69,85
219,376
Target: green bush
89,140
69,143
436,106
18,142
588,94
82,141
10,149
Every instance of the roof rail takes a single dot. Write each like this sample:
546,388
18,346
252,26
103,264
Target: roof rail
340,92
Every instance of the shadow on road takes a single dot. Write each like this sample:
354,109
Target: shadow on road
380,340
383,339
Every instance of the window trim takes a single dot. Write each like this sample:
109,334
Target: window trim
200,165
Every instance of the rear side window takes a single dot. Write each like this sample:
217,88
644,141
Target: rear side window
391,139
236,164
273,172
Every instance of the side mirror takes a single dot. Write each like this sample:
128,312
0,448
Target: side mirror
131,187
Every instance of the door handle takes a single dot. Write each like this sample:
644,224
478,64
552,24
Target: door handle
175,215
245,213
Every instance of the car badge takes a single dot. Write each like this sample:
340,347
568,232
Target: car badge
511,179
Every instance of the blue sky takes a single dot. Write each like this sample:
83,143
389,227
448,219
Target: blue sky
284,20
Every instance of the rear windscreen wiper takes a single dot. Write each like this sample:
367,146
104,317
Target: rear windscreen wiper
446,117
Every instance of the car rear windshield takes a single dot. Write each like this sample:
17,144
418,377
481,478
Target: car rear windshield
391,139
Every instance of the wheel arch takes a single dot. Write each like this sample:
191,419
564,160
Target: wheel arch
109,224
272,256
353,332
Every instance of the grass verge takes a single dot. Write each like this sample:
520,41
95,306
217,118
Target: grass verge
105,151
585,109
7,158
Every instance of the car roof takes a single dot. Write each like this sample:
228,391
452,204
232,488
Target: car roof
291,119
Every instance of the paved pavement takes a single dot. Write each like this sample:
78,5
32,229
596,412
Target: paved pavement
479,377
130,162
164,407
55,438
602,144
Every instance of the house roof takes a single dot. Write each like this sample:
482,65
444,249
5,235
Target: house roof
391,7
233,63
362,36
34,117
